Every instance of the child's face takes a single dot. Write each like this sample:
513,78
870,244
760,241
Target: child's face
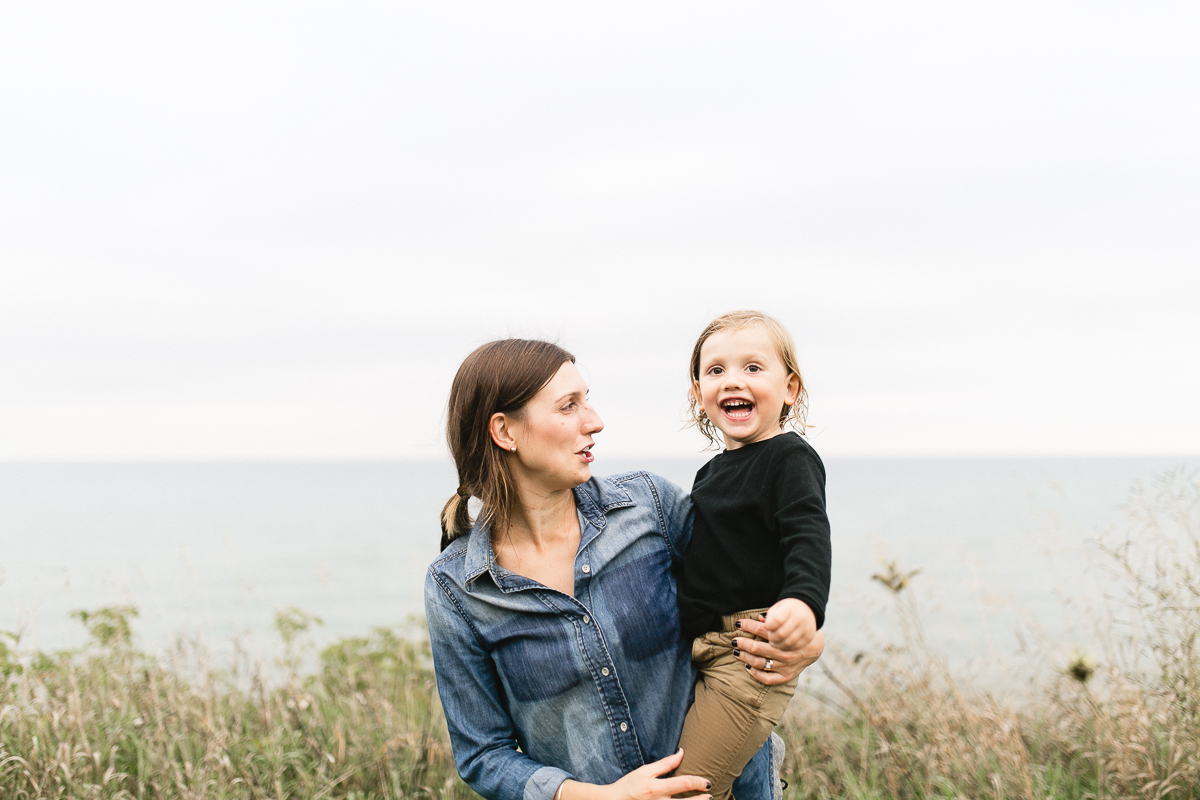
744,385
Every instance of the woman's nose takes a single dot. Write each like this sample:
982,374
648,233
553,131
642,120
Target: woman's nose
592,422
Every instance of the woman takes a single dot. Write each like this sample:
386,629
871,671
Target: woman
553,619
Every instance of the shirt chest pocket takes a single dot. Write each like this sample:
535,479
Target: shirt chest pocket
536,659
641,598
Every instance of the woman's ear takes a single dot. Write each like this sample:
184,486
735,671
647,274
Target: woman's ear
500,429
793,389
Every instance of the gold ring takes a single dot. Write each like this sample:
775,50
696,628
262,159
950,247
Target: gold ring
767,668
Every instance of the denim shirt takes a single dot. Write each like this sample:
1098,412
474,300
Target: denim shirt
539,686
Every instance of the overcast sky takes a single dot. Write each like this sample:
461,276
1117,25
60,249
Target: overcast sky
273,230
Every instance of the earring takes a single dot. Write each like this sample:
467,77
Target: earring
514,448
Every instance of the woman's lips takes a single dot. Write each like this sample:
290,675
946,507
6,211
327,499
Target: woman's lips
586,454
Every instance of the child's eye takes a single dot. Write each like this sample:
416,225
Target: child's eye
754,368
715,370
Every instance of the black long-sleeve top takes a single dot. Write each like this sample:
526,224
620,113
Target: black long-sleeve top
760,533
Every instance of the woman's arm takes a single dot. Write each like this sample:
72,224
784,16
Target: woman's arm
676,514
482,733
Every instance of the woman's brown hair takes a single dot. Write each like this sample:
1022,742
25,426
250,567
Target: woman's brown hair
498,378
784,347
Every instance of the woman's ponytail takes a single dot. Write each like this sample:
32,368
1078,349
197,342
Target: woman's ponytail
456,518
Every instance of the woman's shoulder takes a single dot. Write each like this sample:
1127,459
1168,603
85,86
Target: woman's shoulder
450,560
637,501
635,487
464,558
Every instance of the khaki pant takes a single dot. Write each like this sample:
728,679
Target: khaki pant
733,714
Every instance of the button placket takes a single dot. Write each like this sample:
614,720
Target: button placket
628,748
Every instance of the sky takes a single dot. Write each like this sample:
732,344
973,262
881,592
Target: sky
262,230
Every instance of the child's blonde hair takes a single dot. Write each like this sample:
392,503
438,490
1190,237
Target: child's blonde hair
784,347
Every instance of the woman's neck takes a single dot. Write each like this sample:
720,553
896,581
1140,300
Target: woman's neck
541,519
541,539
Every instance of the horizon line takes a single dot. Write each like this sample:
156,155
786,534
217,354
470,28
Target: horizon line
325,459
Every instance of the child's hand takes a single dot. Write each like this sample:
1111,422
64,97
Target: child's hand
791,624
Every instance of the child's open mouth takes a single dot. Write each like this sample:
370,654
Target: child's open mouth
737,409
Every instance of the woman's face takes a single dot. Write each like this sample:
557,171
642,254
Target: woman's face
553,433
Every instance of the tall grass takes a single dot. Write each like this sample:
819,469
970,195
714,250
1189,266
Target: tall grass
114,723
1125,724
362,719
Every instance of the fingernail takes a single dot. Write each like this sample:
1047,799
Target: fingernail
762,616
707,785
737,653
747,668
734,644
738,624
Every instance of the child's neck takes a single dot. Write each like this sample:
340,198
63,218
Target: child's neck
733,444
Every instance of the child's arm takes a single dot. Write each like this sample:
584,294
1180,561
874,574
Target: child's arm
800,518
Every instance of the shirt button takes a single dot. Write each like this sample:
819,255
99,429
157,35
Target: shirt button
586,568
586,619
604,672
624,727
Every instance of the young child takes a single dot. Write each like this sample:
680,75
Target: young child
760,540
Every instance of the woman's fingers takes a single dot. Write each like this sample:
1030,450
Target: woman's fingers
754,627
644,782
785,664
772,678
677,784
669,787
663,765
782,670
763,650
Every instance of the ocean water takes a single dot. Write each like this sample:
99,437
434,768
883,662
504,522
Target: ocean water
210,550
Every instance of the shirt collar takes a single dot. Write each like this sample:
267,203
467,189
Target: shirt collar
593,500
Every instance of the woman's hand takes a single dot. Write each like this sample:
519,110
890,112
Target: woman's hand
785,664
644,783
